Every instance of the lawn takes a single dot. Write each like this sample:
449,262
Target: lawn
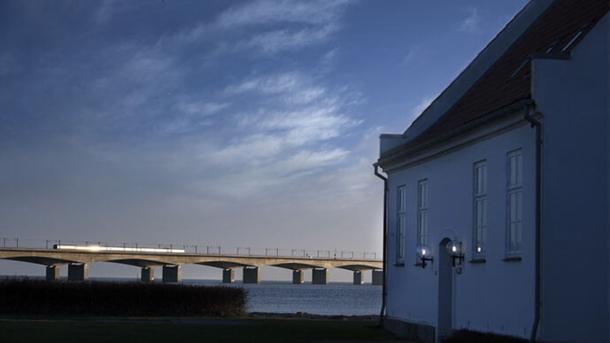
189,330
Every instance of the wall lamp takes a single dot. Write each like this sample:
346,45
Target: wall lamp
456,252
425,256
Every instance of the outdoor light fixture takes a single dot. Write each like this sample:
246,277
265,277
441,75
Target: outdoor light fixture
456,252
425,255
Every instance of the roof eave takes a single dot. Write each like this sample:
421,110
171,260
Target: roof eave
409,149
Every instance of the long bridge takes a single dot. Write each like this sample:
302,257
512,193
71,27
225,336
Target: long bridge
78,257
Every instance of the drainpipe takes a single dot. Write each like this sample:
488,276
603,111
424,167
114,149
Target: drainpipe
538,303
385,231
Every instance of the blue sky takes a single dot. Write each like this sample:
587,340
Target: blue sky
234,123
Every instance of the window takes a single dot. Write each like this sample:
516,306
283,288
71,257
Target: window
479,215
514,202
422,213
401,224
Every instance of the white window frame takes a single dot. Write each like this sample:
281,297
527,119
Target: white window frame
423,194
514,202
401,223
479,209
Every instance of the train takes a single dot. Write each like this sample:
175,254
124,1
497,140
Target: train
102,248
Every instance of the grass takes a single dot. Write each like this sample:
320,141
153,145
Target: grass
39,297
189,330
465,336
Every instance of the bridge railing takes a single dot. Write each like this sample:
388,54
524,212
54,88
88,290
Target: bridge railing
200,249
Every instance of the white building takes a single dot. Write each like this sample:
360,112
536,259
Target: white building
502,184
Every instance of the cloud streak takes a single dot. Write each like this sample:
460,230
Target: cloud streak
472,22
266,12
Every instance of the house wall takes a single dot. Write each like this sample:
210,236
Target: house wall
573,97
496,296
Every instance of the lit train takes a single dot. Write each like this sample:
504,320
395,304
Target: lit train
101,248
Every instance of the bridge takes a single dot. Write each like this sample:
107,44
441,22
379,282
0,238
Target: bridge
78,257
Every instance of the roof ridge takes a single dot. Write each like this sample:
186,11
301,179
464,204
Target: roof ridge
507,78
479,55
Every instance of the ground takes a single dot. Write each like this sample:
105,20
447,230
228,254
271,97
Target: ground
268,330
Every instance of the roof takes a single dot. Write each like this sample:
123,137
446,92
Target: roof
508,81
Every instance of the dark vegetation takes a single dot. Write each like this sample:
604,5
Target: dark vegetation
464,336
242,330
37,297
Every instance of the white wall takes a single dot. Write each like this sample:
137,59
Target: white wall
573,96
497,296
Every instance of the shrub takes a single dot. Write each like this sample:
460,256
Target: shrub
33,297
465,336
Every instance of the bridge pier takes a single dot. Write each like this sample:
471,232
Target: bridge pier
358,279
52,273
377,277
78,272
297,277
171,273
318,276
147,274
228,275
250,274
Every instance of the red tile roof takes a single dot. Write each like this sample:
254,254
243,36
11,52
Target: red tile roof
508,79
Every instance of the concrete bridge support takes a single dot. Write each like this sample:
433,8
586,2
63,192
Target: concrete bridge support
358,279
172,273
297,277
250,274
147,274
78,272
377,277
228,275
52,273
318,276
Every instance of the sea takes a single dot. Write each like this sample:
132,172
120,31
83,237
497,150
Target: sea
330,299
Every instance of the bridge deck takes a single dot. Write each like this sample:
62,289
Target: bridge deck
146,259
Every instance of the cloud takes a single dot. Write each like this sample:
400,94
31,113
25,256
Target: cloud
290,133
265,12
281,135
283,25
271,42
312,124
200,108
418,109
249,150
306,95
281,120
471,22
295,87
109,8
270,84
327,60
297,108
306,161
414,53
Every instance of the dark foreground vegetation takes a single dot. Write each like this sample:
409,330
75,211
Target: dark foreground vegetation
464,336
37,297
246,330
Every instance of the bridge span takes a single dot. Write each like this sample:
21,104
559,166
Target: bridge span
170,261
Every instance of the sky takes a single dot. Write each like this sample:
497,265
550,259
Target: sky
231,123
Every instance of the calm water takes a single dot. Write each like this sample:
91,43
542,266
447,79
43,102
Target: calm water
330,299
